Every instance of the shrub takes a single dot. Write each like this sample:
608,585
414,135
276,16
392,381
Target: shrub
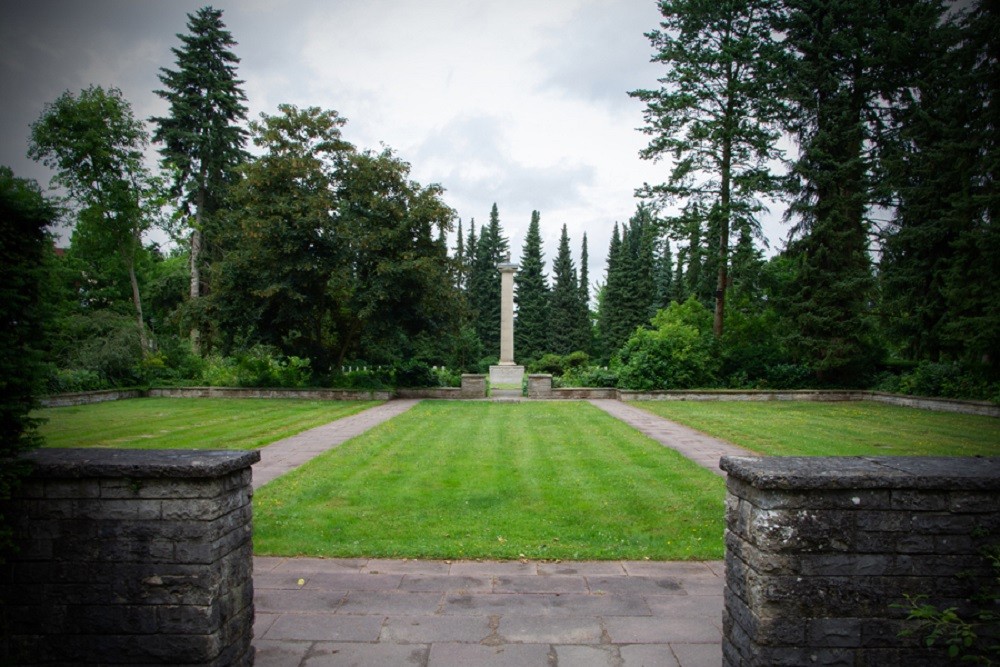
69,380
678,353
415,373
260,366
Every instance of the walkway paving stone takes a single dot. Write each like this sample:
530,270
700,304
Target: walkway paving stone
279,457
695,445
314,611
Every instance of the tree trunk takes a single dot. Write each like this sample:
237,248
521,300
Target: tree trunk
137,302
195,284
724,202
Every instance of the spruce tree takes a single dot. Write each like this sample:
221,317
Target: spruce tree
532,296
714,115
492,248
587,323
202,139
566,315
609,310
664,274
836,72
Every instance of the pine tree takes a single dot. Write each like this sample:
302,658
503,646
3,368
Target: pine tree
531,331
587,322
715,114
202,139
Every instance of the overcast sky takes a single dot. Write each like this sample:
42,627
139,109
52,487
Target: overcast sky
518,102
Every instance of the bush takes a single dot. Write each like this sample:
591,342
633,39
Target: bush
260,366
946,380
70,380
415,373
679,353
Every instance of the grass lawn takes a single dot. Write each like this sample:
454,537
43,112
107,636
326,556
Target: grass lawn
779,428
495,480
188,423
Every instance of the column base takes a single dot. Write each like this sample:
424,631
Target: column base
506,375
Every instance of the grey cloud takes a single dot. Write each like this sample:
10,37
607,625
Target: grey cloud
602,52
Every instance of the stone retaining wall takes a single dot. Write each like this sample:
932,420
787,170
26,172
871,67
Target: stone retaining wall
249,392
473,386
87,397
132,557
819,551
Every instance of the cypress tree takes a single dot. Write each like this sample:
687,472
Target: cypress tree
532,297
202,139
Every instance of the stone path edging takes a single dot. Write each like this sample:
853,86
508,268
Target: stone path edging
703,449
284,455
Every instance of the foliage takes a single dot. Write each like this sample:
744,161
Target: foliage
492,248
948,380
970,637
201,138
95,145
259,366
557,364
630,292
715,115
568,315
25,249
679,352
334,254
415,373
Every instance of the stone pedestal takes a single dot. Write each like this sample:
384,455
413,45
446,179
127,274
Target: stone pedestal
506,375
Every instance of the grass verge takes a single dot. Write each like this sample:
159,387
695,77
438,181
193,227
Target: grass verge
778,428
495,480
188,423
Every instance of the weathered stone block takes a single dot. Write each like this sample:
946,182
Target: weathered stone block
112,581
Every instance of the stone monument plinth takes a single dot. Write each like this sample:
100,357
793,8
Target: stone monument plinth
506,372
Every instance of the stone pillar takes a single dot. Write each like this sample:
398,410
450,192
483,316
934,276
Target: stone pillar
821,554
131,557
507,272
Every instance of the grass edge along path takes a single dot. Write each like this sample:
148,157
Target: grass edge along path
537,480
808,428
189,423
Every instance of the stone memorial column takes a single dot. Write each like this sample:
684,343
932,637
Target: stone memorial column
506,377
507,313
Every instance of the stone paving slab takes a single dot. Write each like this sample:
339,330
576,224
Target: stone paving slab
284,455
701,448
443,613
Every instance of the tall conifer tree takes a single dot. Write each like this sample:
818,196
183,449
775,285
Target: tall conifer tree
492,248
202,139
566,320
532,297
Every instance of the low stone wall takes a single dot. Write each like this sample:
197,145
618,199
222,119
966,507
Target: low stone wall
820,551
937,404
250,392
744,395
431,393
132,557
584,393
87,397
